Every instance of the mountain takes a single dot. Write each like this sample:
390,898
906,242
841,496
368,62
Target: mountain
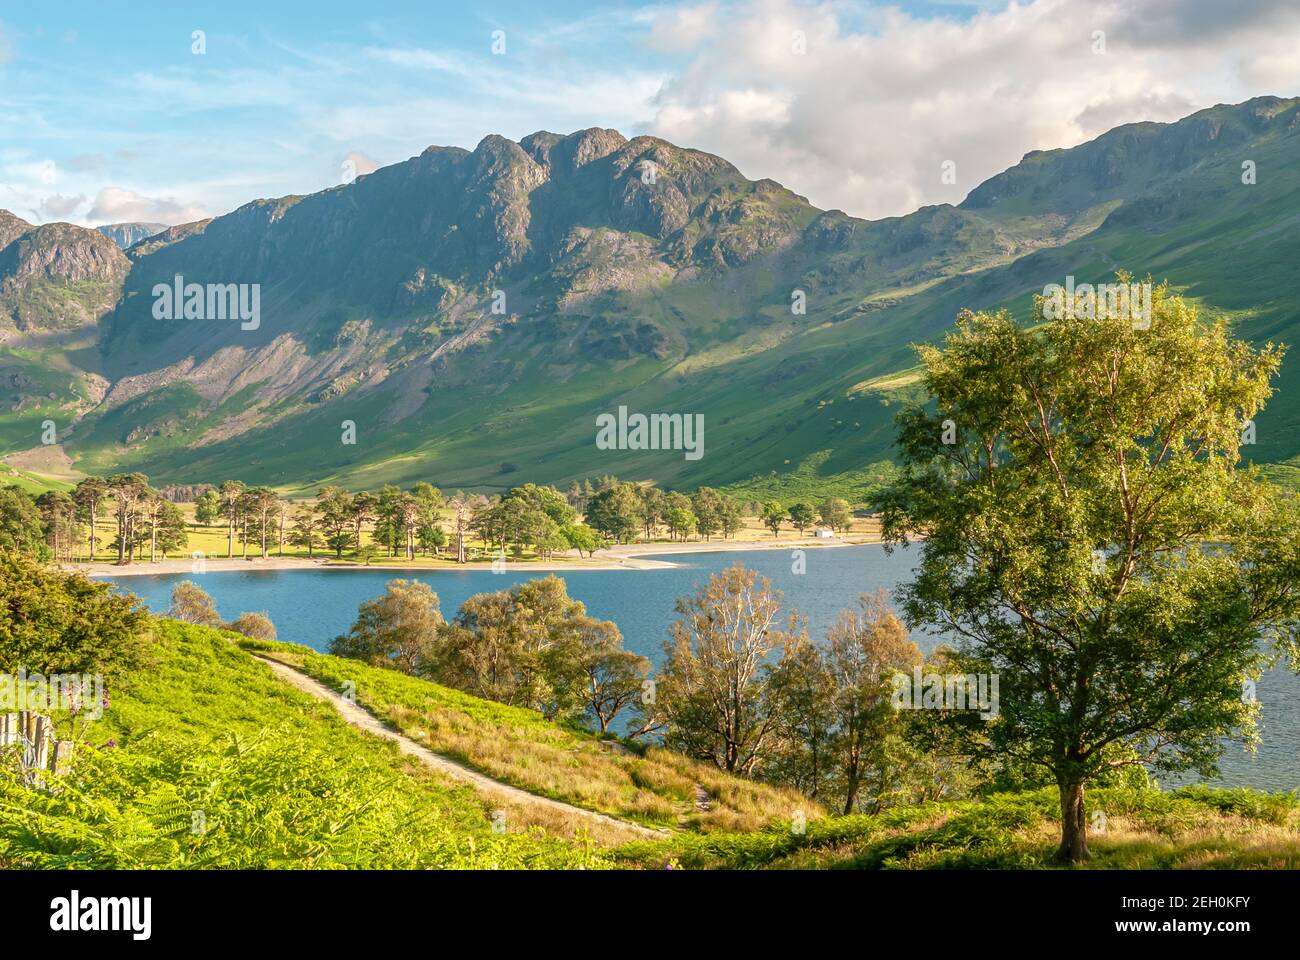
129,234
472,312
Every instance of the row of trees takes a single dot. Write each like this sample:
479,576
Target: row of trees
742,685
400,522
54,524
530,646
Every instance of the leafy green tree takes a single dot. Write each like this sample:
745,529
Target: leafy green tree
363,504
706,504
59,518
865,649
193,604
802,516
127,489
582,538
428,501
60,623
207,508
590,674
400,629
616,512
731,520
773,516
681,522
506,646
168,529
90,494
21,525
305,530
258,626
714,694
546,499
653,508
836,514
334,507
1089,535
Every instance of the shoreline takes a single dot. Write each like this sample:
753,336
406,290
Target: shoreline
633,556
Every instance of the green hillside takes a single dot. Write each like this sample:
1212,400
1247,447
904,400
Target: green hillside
205,760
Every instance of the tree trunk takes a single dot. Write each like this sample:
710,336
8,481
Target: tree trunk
230,535
1074,826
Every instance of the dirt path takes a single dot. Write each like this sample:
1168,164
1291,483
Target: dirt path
365,720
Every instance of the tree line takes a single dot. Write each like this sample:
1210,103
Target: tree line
742,685
420,520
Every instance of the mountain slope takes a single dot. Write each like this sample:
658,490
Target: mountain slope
473,311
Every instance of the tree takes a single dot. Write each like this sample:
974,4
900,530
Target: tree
512,646
21,524
335,509
399,630
653,506
363,509
1067,487
615,512
865,650
231,493
802,516
59,517
64,623
581,537
713,692
462,506
590,673
773,517
127,490
304,532
836,514
707,506
258,626
89,494
191,603
167,529
681,522
731,521
428,501
207,508
803,685
263,504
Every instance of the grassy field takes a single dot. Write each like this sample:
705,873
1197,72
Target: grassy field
518,746
1144,829
203,759
206,735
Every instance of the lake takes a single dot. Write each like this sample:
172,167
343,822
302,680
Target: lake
313,606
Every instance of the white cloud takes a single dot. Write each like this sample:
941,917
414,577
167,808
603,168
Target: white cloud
59,207
866,117
119,205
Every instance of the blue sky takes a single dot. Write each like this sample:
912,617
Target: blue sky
106,114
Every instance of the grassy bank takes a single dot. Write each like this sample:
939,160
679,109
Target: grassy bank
517,746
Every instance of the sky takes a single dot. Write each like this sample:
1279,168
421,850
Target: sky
166,112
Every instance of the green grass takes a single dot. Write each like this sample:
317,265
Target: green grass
518,746
279,779
1147,828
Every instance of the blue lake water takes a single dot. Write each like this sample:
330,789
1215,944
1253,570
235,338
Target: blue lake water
313,606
